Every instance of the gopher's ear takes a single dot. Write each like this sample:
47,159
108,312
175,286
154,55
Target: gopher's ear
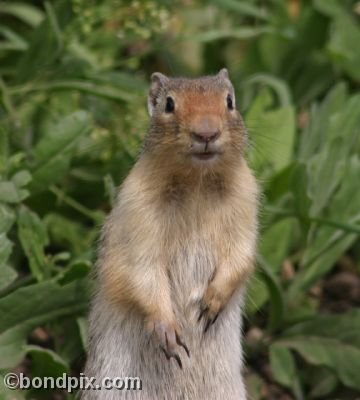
158,82
223,74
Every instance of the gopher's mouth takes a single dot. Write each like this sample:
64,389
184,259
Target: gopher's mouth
204,152
206,155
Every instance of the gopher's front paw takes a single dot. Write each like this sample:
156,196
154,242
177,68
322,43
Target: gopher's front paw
168,335
210,306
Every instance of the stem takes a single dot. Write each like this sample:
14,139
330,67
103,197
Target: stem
18,283
95,216
6,100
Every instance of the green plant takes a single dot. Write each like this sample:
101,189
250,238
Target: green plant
73,80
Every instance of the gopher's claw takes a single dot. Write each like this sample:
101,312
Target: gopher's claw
182,344
210,322
169,355
169,339
202,312
210,307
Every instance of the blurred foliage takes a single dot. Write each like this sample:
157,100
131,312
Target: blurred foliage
73,81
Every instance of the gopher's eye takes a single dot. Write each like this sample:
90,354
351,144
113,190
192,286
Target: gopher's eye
229,102
170,105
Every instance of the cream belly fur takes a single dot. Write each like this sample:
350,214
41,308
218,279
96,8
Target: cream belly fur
121,346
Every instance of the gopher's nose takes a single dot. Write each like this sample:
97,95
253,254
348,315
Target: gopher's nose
205,130
205,137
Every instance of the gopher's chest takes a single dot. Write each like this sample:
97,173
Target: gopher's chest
191,268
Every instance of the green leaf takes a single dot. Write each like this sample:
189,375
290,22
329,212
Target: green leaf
67,233
345,327
46,362
334,332
110,189
344,33
278,85
118,79
245,32
342,358
327,168
345,226
277,301
78,269
277,187
54,23
68,342
7,276
10,394
328,243
22,178
10,193
324,383
300,188
25,12
254,386
272,133
101,90
5,249
242,8
257,294
4,150
326,177
42,53
83,329
323,260
274,242
33,238
28,307
282,365
13,42
7,218
329,7
345,124
53,152
315,136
